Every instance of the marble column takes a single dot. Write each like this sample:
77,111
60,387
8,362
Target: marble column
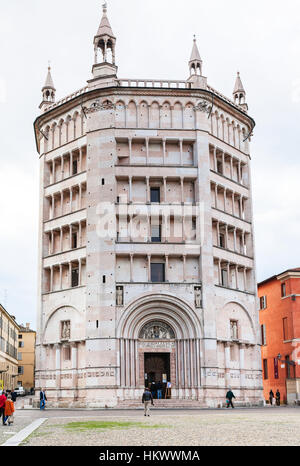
242,366
164,151
181,151
227,364
74,357
58,368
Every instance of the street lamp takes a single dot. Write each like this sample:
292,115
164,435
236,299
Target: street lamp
7,369
287,361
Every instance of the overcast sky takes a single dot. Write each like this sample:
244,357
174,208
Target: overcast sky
259,38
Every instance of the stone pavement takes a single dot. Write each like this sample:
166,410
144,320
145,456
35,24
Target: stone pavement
263,426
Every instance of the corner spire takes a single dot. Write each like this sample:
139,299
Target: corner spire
239,93
196,79
195,51
238,85
105,52
195,63
48,90
105,27
49,81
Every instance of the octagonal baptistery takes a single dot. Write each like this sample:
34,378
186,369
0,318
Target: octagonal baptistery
146,257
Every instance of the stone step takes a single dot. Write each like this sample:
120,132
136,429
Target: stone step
161,404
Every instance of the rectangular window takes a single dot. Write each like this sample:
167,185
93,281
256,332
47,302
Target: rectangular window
263,302
75,277
75,167
67,353
283,290
20,370
155,233
265,368
285,328
276,376
74,240
222,240
155,195
157,273
263,335
19,356
220,167
224,277
20,337
287,367
21,344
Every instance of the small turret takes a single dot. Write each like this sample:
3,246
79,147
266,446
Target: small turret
196,79
48,91
239,94
105,50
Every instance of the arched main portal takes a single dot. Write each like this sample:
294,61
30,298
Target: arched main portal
160,338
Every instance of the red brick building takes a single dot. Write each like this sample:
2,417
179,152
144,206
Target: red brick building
279,298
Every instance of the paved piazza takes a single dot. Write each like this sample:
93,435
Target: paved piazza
238,427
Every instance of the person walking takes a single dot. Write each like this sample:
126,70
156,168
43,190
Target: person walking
278,397
271,397
159,390
13,396
146,400
153,389
43,399
9,410
229,396
2,407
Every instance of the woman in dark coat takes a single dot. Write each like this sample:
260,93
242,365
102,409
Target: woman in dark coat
271,396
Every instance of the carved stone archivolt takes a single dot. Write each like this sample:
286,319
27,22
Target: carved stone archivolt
157,331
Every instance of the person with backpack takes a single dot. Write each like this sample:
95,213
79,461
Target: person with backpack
146,400
229,396
43,399
159,390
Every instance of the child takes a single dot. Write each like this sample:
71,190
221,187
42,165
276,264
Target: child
9,410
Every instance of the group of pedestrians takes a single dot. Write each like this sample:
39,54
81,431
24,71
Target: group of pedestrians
157,390
148,397
7,407
277,397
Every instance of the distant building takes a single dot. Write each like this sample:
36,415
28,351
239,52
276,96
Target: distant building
280,332
8,350
26,357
